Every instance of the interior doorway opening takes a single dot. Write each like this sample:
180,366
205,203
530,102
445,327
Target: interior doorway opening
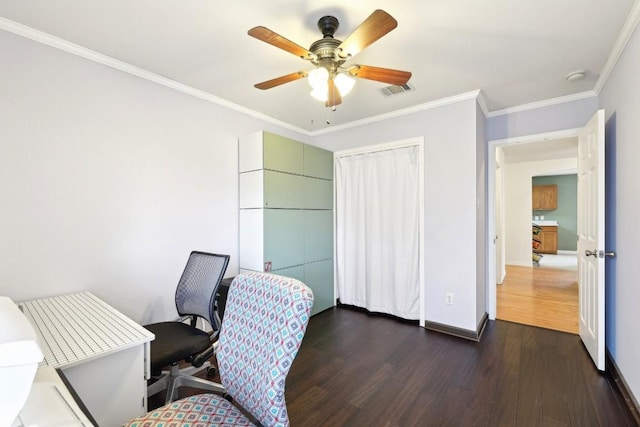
543,293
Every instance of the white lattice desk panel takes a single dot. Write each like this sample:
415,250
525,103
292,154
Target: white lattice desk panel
103,353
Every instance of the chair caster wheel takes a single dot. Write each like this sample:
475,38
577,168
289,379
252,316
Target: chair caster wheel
211,372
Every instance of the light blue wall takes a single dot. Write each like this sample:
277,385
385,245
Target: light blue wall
620,99
569,115
567,211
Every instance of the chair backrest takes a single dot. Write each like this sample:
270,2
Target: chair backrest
196,291
264,322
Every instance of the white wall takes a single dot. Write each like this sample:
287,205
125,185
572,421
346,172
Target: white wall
450,259
108,181
516,186
620,99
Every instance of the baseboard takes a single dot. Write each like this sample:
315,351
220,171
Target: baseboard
459,332
563,252
519,263
623,387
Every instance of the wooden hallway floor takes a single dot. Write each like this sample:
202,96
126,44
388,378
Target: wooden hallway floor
543,297
358,369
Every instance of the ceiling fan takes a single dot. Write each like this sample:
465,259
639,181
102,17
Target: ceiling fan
331,79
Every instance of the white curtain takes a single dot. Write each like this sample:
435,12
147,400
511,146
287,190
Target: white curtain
377,231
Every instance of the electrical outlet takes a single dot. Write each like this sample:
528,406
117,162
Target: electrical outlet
448,297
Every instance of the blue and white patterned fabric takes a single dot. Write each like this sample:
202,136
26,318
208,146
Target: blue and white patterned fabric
264,322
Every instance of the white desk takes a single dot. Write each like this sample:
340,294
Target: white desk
50,403
102,353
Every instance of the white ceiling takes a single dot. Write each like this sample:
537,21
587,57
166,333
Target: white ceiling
515,52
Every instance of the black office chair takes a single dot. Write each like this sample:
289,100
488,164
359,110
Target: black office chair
177,341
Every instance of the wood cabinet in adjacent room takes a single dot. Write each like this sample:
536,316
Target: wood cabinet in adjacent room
548,238
544,197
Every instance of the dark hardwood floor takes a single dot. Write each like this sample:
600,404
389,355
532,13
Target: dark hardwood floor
357,369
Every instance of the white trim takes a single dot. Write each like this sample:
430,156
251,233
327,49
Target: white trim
630,24
544,103
418,142
397,113
482,103
547,136
380,147
491,189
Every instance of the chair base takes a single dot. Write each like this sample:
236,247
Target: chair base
175,378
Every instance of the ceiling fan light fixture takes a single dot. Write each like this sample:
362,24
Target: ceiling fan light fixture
318,78
320,93
344,83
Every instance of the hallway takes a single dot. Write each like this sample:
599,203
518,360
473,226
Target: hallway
543,297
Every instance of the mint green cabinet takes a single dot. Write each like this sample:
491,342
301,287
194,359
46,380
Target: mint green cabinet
318,193
286,211
318,235
283,190
318,163
319,277
284,237
283,154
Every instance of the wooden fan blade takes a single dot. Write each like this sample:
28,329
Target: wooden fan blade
334,97
384,75
281,80
275,39
375,26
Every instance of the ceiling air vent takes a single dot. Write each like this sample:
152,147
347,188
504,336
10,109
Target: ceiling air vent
396,90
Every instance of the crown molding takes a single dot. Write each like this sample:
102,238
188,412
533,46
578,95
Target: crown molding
482,103
91,55
633,18
625,34
544,103
397,113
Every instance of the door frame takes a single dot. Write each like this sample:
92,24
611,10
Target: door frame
410,142
491,197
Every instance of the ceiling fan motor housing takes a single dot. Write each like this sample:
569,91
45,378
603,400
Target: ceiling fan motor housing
328,25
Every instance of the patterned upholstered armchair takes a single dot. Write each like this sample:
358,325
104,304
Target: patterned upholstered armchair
265,320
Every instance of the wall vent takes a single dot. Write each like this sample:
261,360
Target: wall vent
396,90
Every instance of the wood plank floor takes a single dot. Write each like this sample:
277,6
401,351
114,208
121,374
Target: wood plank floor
543,297
358,369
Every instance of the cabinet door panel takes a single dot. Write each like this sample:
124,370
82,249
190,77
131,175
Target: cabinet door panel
319,277
282,154
250,152
283,190
296,272
318,163
544,197
251,253
283,237
548,240
251,189
318,193
318,235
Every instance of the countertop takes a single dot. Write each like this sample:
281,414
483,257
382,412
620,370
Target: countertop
545,223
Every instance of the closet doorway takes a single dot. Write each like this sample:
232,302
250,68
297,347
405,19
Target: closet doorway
379,221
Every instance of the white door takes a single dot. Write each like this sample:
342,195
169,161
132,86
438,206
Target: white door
591,237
